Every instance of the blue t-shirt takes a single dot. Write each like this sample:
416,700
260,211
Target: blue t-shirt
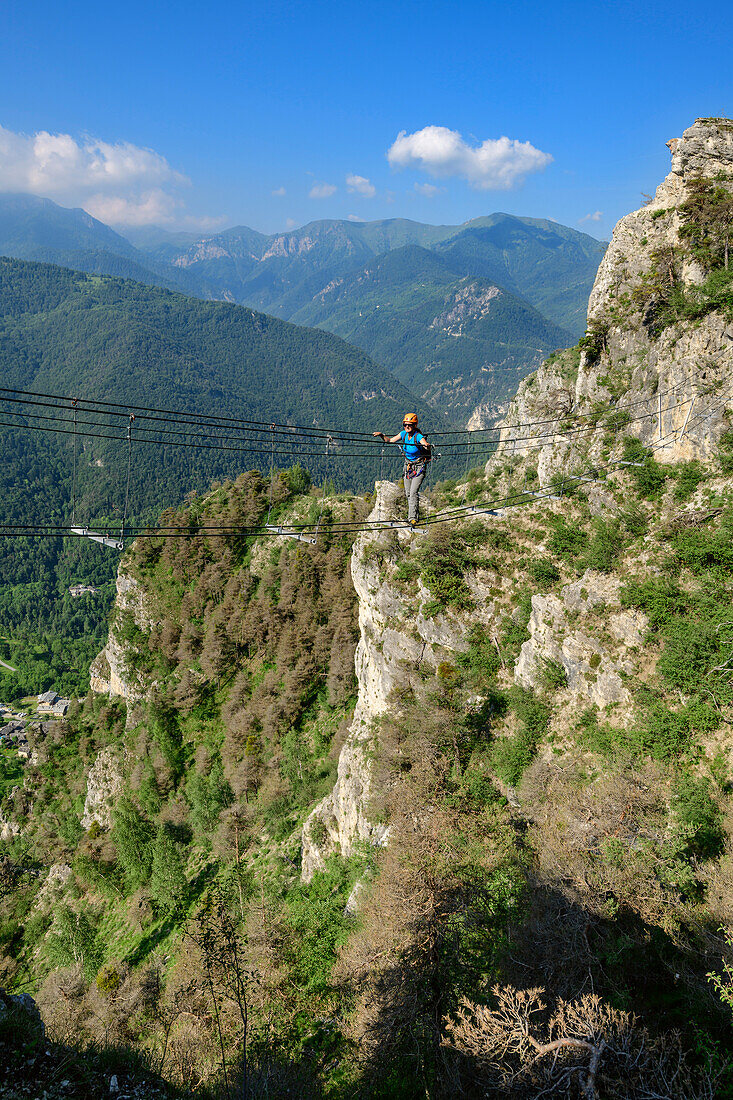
410,446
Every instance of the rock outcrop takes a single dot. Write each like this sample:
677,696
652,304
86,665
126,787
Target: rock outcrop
396,640
565,631
672,381
110,672
104,785
625,365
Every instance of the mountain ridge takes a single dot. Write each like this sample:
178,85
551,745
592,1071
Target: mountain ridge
547,266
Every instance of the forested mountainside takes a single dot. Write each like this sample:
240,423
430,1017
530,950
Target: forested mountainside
465,311
389,287
410,299
89,337
549,265
433,813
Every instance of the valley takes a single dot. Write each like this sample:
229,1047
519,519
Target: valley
382,286
393,812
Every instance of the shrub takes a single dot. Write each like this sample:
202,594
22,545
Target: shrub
688,475
512,755
132,835
553,675
510,758
544,572
316,925
702,551
691,650
660,599
567,540
296,478
634,520
475,791
481,656
207,795
649,475
699,816
73,939
109,980
725,452
605,545
168,883
444,564
515,626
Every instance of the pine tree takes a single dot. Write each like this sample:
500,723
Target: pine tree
132,836
168,882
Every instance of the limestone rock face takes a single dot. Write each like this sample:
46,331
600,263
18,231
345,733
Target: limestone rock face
104,785
8,828
396,640
682,372
562,632
109,673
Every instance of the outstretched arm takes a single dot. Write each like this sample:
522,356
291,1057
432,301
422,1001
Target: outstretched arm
388,438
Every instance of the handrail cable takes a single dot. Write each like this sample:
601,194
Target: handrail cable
447,450
221,422
511,500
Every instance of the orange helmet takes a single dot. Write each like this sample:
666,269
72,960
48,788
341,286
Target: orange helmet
409,418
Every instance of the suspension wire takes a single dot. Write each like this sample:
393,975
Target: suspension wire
272,475
453,513
127,485
216,422
73,476
381,479
329,441
515,499
453,449
117,409
465,471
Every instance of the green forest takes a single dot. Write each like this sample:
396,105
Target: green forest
66,333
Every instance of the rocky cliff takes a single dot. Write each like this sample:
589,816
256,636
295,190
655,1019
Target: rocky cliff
642,371
113,671
657,351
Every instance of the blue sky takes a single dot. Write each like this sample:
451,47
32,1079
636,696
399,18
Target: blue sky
198,115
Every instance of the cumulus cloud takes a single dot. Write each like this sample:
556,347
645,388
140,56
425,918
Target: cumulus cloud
429,190
494,165
360,185
117,182
290,223
594,217
322,190
279,191
353,218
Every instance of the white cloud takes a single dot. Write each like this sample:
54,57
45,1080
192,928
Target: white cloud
322,191
290,223
120,183
154,207
353,218
279,191
494,165
429,190
594,217
360,185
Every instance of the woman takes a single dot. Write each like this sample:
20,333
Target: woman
416,450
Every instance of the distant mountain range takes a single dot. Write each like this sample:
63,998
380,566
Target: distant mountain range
459,313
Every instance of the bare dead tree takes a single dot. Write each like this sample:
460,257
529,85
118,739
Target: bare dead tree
581,1048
